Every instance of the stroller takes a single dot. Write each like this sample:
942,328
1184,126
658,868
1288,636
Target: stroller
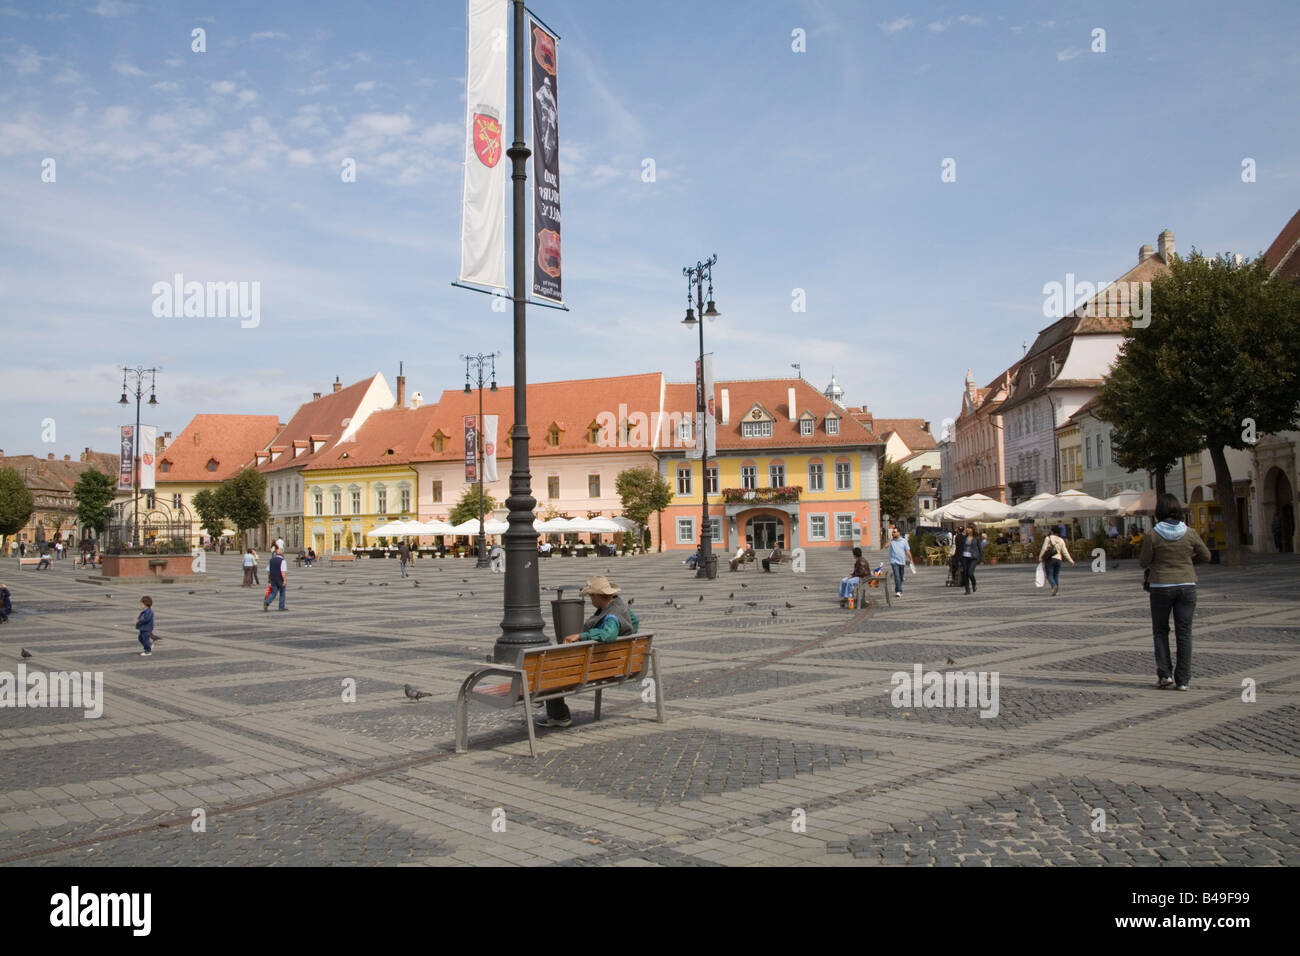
956,572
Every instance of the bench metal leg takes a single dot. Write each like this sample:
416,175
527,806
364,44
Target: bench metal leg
597,705
528,719
462,722
659,687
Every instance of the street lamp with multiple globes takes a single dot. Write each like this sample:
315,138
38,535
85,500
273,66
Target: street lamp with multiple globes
697,276
139,372
479,362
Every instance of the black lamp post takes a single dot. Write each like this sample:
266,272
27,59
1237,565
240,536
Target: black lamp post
139,372
521,625
696,277
479,363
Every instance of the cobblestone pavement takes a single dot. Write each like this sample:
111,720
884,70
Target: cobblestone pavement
782,745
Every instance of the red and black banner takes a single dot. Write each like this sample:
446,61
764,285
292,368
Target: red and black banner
471,448
546,166
126,467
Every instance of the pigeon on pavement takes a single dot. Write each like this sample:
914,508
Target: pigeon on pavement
788,604
701,597
951,661
414,694
774,612
26,652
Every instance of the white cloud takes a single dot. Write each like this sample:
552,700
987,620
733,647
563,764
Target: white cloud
379,124
269,35
116,117
1064,55
313,89
222,87
166,86
173,62
897,24
365,86
26,61
112,8
128,69
301,157
247,97
67,77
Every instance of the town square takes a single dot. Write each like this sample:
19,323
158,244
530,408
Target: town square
371,498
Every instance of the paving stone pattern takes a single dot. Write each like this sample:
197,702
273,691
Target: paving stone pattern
239,713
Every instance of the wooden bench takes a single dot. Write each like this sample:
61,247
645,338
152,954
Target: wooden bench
342,557
24,562
877,582
560,670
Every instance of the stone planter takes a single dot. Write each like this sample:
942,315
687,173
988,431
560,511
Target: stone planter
147,566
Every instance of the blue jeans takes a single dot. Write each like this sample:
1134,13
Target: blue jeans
403,563
847,586
1053,569
968,569
274,589
1181,601
898,577
146,640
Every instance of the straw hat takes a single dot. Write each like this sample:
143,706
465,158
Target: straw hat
600,585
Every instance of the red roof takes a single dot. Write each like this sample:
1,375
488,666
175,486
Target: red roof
389,437
228,441
572,406
1283,256
914,432
324,419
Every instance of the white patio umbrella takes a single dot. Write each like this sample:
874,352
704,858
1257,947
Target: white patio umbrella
469,527
552,525
1029,504
1120,502
433,526
1068,504
495,526
627,524
396,529
603,525
972,508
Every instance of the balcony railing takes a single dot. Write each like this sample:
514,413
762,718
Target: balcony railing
786,494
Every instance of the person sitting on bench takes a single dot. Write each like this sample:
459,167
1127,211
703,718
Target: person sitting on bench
45,562
774,558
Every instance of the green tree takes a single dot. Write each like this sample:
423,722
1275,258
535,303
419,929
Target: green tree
242,499
94,493
643,492
207,505
467,507
1222,366
897,491
16,504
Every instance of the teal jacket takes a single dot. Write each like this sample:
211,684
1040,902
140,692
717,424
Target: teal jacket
617,620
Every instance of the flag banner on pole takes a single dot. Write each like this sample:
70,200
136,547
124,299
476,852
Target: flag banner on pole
148,443
483,207
546,166
489,447
710,431
471,448
126,469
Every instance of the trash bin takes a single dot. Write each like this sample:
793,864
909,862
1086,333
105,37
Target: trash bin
567,615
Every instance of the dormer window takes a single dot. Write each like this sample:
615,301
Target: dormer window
212,464
593,433
439,441
756,423
684,430
553,436
832,425
164,466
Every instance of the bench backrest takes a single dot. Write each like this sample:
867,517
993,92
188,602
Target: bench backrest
558,667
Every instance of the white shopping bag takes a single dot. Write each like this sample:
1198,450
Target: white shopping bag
1040,575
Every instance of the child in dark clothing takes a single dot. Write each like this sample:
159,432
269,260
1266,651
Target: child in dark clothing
6,604
144,624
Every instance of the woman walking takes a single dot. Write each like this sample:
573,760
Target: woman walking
1168,554
969,550
250,567
1053,550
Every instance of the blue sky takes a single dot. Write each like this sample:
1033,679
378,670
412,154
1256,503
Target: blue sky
817,171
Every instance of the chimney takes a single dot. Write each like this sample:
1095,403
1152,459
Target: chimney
401,387
417,399
1145,252
726,407
789,398
315,396
1165,242
925,427
338,386
85,455
50,456
67,458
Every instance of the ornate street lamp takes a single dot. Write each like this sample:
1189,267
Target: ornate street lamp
139,372
696,277
479,362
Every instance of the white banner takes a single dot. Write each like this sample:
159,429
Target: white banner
483,207
705,430
148,450
489,448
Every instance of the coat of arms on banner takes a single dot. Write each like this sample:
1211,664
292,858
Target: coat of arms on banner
548,252
487,139
544,50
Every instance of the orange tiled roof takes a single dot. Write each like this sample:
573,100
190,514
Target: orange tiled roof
229,440
57,474
772,395
1283,256
571,405
911,430
389,437
323,419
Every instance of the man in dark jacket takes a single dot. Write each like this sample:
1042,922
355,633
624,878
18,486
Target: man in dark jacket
613,619
403,555
275,575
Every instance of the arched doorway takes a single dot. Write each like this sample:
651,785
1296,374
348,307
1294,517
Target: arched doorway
765,532
1278,512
